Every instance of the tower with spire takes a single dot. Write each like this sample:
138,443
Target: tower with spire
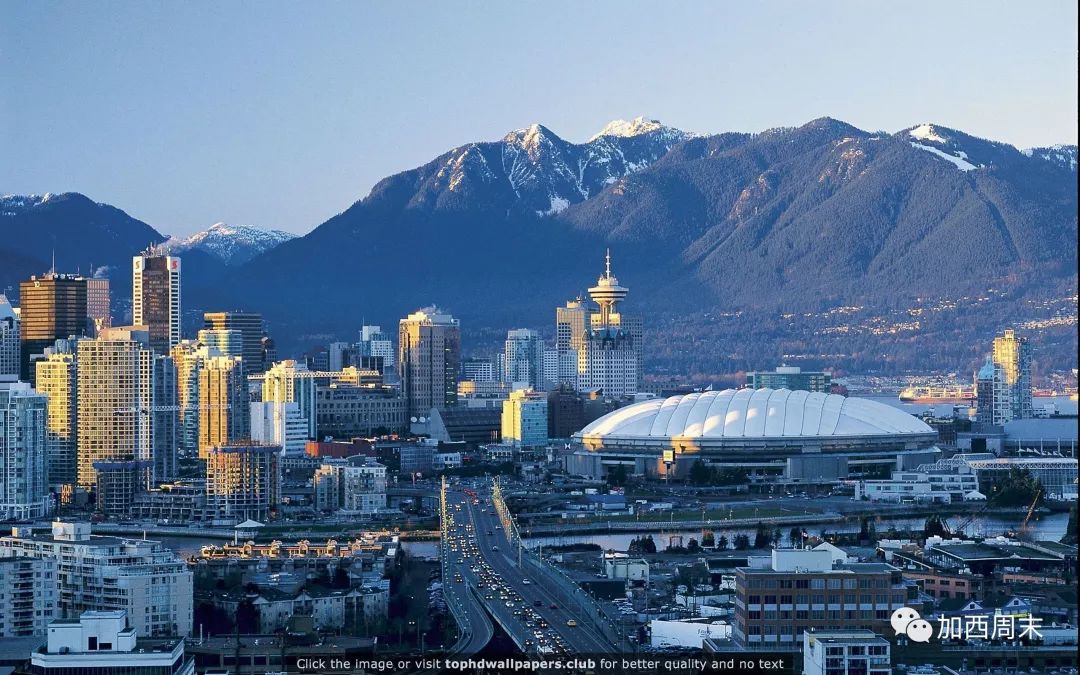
598,346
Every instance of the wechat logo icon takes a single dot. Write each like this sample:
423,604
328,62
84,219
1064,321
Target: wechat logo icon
906,621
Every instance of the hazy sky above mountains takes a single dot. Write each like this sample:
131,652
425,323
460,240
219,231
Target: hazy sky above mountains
282,114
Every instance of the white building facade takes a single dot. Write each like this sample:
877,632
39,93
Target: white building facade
24,479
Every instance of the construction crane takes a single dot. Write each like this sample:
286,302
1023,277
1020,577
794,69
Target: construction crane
1021,532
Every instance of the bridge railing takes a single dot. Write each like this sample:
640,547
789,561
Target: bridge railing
570,592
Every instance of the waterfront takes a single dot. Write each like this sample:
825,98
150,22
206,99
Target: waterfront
1048,526
1063,404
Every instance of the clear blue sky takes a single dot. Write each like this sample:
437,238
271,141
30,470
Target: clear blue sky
281,114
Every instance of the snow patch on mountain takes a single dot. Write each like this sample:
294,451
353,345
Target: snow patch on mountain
927,132
1062,155
10,205
234,244
959,162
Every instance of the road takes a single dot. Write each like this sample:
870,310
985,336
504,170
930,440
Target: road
539,612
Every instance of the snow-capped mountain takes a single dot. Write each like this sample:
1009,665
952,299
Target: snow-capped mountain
533,169
233,244
1061,155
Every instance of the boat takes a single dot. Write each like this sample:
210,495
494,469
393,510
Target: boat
937,395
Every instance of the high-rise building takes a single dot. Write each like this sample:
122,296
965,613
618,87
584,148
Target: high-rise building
155,300
373,342
599,349
475,369
243,481
254,342
51,308
140,576
291,382
98,304
224,412
571,324
429,358
9,339
189,357
988,388
28,603
224,341
126,404
523,358
525,419
24,481
281,424
1012,355
566,412
57,376
790,377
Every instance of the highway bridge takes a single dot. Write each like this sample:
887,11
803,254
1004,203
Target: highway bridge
488,575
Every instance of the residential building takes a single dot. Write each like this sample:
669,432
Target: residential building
523,359
155,297
280,424
802,591
224,410
1003,385
429,356
51,308
119,483
24,480
111,573
790,377
224,341
10,347
253,341
525,419
356,485
27,595
189,357
243,481
347,411
846,652
126,404
291,382
98,303
57,378
105,643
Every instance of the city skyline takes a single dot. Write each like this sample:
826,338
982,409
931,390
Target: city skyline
316,116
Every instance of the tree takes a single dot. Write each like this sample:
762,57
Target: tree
212,619
649,544
617,475
867,529
742,542
247,617
692,546
722,543
700,473
1017,488
762,537
341,578
795,536
935,527
1070,529
708,540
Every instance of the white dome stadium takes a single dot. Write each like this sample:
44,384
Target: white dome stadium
747,414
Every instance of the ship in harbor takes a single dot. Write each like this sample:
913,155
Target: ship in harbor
935,395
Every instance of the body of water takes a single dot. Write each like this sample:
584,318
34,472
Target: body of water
1063,404
1050,526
